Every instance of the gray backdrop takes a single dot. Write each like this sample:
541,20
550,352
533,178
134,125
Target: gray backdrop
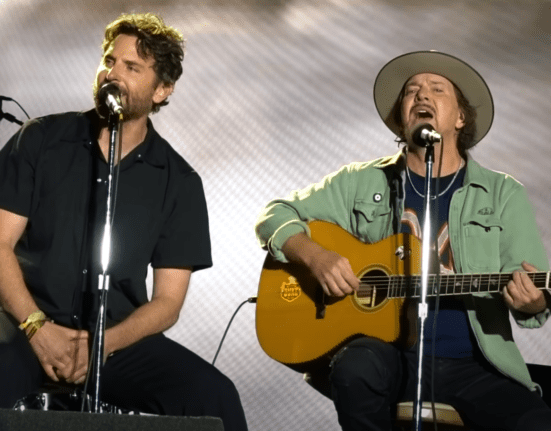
275,94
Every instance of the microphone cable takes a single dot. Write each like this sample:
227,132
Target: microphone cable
10,117
251,300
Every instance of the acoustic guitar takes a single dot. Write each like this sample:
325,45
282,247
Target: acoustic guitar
297,323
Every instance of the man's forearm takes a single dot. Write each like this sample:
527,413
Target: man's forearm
170,287
15,297
149,319
301,248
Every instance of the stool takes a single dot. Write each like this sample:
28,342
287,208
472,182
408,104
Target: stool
447,417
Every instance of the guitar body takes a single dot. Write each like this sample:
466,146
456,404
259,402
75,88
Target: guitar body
298,325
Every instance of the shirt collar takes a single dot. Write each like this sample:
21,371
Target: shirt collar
83,128
151,149
86,129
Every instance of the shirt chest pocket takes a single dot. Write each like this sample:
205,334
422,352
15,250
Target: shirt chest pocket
372,220
482,235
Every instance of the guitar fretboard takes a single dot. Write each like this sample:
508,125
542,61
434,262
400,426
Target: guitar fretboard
402,286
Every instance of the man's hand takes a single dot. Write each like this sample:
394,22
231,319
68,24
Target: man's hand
63,352
332,270
521,294
334,273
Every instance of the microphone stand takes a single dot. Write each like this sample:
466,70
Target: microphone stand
425,261
103,280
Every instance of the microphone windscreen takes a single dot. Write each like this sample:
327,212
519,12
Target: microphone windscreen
417,137
106,89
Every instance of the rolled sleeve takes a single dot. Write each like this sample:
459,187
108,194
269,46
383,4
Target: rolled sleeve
281,235
531,321
328,200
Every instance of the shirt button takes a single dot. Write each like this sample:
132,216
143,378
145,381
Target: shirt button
99,180
139,156
84,271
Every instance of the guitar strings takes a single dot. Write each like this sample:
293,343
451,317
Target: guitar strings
401,285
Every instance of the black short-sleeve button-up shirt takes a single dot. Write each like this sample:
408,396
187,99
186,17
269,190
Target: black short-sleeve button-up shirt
53,173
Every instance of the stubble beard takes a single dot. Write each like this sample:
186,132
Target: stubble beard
131,110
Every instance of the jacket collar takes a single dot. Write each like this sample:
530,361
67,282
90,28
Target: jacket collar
475,174
397,161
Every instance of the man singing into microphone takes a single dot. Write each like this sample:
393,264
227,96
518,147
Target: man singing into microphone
483,224
53,186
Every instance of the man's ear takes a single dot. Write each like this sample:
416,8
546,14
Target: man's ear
460,123
162,91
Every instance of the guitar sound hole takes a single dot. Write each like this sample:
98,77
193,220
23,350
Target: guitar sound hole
373,290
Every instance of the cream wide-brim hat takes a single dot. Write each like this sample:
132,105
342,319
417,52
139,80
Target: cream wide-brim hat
393,76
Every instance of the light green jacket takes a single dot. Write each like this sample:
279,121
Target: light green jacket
491,225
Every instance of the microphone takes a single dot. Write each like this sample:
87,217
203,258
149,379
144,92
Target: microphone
424,135
109,98
10,118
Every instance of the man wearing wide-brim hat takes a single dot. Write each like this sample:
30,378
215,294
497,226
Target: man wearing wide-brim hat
482,223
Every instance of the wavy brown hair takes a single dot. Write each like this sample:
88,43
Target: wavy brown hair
155,39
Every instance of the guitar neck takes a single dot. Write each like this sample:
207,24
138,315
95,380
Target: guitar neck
457,284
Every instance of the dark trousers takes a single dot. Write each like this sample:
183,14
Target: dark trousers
156,375
369,377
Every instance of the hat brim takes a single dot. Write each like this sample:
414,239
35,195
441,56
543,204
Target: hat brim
393,76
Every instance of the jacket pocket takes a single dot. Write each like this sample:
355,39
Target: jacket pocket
482,243
372,219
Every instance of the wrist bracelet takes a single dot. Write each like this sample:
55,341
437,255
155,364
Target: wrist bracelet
34,322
